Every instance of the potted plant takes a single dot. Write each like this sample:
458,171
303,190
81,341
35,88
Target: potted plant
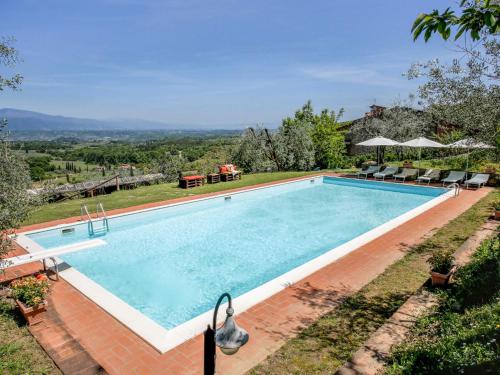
496,206
441,267
490,168
30,294
407,164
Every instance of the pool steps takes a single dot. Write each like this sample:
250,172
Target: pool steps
102,218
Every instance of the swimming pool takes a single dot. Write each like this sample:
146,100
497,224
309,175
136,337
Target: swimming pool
167,266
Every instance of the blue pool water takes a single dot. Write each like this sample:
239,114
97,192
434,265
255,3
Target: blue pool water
172,263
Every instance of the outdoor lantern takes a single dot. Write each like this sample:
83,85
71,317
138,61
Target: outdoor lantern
229,338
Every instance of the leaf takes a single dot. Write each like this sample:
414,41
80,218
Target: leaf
428,34
460,31
418,20
418,31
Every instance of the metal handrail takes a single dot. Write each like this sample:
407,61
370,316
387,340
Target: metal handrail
456,188
100,207
90,224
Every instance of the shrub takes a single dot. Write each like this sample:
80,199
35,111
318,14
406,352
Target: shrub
478,281
462,335
441,261
30,290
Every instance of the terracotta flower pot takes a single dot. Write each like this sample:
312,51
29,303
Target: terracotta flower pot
440,278
32,314
497,215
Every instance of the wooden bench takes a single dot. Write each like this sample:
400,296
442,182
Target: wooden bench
229,176
213,178
190,179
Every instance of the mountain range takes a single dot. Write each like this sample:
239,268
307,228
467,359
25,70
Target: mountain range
23,120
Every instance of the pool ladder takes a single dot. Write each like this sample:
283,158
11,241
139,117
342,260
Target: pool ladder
100,217
456,188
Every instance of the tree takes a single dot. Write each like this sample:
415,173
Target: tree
15,202
466,95
169,165
401,122
257,150
296,148
328,140
9,57
478,17
298,144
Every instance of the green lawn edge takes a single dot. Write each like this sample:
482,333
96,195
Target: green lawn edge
150,194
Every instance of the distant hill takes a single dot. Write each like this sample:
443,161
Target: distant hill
22,120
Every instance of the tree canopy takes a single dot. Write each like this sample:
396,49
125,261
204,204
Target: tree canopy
478,16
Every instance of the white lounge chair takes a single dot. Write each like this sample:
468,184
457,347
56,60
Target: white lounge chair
369,171
429,175
478,180
388,172
454,176
405,173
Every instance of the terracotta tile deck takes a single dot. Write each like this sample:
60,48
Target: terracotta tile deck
119,351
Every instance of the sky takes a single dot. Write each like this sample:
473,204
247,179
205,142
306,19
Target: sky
218,62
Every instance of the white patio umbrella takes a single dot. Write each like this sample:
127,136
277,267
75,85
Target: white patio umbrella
377,142
469,143
419,143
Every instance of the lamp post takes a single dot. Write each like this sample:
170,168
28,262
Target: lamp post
229,338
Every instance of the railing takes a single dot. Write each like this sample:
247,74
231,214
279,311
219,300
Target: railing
90,225
103,215
100,214
456,188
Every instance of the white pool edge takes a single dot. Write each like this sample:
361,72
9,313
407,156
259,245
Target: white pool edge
164,340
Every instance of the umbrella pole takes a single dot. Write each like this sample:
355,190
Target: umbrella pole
467,163
419,155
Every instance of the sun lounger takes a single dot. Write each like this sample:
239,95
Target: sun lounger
429,175
369,171
454,176
478,180
388,172
405,173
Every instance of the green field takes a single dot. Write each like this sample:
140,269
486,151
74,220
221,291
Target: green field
148,194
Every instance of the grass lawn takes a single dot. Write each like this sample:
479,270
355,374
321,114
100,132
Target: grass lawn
148,194
19,352
331,340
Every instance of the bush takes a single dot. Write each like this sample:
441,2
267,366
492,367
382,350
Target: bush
30,290
477,282
462,336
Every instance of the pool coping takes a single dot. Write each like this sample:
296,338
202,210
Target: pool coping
163,339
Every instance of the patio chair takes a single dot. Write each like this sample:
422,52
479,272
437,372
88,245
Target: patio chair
429,176
388,172
369,171
478,179
406,173
454,176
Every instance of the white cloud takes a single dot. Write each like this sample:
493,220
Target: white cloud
355,75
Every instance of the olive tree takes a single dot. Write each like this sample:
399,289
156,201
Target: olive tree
256,151
466,95
9,57
296,146
169,165
15,201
